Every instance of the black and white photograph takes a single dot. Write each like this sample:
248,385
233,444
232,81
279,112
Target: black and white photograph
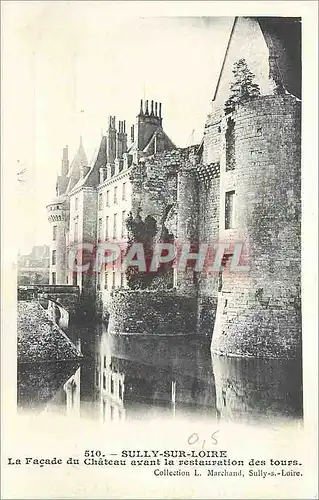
158,262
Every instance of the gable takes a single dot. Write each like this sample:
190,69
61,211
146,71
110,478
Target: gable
246,42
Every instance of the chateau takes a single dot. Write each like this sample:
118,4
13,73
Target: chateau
240,184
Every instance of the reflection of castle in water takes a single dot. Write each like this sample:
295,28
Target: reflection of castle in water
252,389
109,384
127,377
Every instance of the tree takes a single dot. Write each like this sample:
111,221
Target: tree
243,86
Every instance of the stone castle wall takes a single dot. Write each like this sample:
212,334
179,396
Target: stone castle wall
150,312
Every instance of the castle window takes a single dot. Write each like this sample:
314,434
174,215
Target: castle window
76,231
55,228
100,228
123,224
229,209
122,280
100,201
115,195
106,280
107,198
76,203
104,381
53,278
104,361
99,279
113,280
230,145
75,279
106,228
124,191
114,226
53,257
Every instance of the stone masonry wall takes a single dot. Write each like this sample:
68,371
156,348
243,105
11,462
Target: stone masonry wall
259,312
154,184
208,222
151,313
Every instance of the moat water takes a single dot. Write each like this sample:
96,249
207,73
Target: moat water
137,377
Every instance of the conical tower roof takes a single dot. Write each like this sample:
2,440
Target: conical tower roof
79,160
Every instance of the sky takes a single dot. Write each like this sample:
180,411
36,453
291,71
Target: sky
67,66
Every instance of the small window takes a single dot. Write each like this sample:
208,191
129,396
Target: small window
100,201
230,146
107,228
53,278
99,279
113,280
55,229
100,229
76,203
53,257
106,280
76,230
123,224
115,195
124,191
122,280
104,381
107,198
104,361
229,209
115,226
75,279
120,389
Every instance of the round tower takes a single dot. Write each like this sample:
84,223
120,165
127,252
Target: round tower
259,310
58,216
187,224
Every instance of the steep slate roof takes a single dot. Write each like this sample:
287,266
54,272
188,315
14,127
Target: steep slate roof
159,132
79,160
99,159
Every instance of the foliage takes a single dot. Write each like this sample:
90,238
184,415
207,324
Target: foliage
144,232
243,86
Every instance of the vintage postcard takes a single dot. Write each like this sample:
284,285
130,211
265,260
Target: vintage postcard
159,249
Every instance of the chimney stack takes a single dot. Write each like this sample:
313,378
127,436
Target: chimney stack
146,108
65,161
160,110
152,108
132,133
156,109
111,140
141,108
121,140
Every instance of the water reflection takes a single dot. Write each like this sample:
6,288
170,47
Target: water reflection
127,377
257,389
